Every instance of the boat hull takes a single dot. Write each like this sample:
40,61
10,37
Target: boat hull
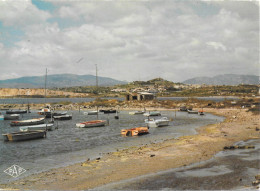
63,117
11,117
43,127
89,124
23,136
135,131
27,122
16,111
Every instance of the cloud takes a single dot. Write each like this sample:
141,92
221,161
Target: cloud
133,40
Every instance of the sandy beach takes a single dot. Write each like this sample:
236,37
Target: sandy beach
135,161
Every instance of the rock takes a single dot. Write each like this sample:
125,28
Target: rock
153,155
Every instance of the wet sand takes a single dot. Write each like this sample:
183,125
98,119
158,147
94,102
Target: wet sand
136,161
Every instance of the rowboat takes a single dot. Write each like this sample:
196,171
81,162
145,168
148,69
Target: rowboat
53,114
164,121
192,111
136,112
91,113
11,117
16,111
23,136
46,127
153,113
28,122
201,112
135,131
94,123
63,117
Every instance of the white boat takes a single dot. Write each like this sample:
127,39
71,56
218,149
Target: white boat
193,111
28,122
94,123
136,112
90,112
164,121
152,113
45,127
2,117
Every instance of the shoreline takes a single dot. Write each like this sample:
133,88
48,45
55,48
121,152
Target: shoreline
135,161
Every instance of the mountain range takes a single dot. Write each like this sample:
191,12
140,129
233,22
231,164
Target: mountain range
69,80
58,80
225,79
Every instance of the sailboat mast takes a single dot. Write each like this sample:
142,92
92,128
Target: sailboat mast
45,84
96,77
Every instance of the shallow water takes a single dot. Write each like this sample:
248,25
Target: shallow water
227,170
69,144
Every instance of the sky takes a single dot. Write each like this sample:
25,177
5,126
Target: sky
129,39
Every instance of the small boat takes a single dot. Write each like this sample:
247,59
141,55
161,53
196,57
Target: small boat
201,112
20,111
164,121
192,111
44,111
2,117
23,136
94,123
91,113
53,114
152,113
28,122
46,127
136,112
63,117
135,131
183,108
11,116
108,111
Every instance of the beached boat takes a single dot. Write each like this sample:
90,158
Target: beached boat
136,112
94,123
90,112
164,121
63,117
23,136
152,113
20,111
11,116
45,127
28,122
135,131
192,111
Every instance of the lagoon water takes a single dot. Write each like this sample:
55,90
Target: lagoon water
68,144
88,99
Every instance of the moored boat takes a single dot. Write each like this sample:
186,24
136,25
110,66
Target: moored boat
54,114
63,117
28,122
45,127
11,116
164,121
90,112
183,108
136,112
94,123
23,136
201,112
2,117
152,113
44,111
192,111
135,131
106,111
20,111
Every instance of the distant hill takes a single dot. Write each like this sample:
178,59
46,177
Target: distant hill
226,79
58,80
